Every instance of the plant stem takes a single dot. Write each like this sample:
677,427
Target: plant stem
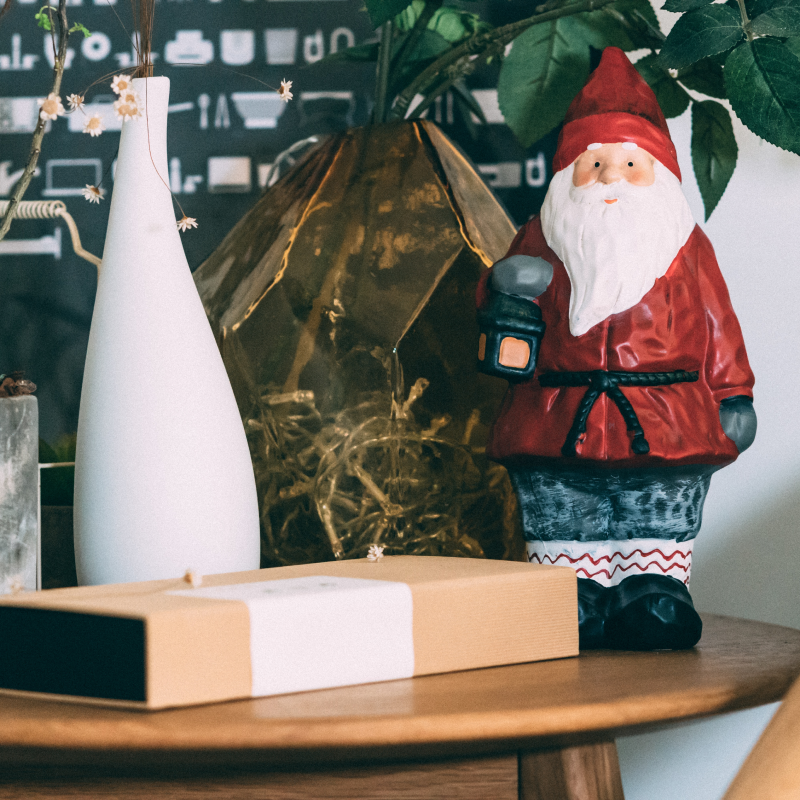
38,133
431,7
497,38
384,59
745,21
6,8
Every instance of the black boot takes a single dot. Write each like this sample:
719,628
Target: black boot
651,612
592,605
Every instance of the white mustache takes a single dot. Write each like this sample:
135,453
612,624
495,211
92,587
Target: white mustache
598,192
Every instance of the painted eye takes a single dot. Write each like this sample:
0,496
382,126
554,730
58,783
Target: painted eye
597,163
630,163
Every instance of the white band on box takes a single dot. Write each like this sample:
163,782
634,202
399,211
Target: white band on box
318,632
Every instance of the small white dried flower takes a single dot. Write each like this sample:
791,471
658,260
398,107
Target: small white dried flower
121,83
16,584
375,552
126,112
94,194
94,125
193,578
184,223
129,105
284,92
75,101
51,107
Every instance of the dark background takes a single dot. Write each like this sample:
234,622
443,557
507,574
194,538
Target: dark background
45,299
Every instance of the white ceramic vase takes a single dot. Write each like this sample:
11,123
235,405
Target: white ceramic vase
163,477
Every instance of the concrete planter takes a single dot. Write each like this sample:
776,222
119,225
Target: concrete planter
19,494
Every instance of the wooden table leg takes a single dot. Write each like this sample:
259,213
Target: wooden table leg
590,772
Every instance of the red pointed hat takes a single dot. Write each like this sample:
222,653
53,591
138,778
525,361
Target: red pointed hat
615,105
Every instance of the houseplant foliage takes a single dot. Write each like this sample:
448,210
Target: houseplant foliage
745,51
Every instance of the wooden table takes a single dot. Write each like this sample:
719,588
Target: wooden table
531,731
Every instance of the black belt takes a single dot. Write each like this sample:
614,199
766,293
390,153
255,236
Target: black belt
600,381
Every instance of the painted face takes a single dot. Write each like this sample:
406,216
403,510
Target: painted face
610,163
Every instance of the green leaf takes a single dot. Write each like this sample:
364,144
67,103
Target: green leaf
463,93
749,5
450,23
640,7
429,45
685,5
701,33
455,25
406,19
603,28
705,76
794,45
714,151
776,18
82,28
360,52
47,455
546,68
670,94
762,79
381,11
43,18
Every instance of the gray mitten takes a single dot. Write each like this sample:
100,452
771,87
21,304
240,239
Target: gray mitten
738,419
524,276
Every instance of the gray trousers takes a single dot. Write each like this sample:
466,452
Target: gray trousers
588,504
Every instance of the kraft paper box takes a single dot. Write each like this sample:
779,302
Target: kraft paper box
162,643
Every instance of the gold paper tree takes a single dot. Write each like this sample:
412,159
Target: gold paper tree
344,308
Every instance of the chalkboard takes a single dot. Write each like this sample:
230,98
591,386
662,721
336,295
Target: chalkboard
226,130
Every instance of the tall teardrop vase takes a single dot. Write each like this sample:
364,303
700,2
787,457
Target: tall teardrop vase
163,477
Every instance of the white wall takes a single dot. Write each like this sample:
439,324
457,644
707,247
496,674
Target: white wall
746,558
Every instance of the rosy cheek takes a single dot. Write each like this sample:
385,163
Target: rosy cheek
642,176
581,176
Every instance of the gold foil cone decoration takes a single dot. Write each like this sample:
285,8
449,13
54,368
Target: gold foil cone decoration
343,303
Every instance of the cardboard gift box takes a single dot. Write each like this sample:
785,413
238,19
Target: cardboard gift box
159,644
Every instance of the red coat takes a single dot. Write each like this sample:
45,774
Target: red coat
685,322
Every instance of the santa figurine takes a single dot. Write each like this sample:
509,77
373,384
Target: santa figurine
642,388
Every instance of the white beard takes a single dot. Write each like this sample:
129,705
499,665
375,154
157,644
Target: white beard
614,253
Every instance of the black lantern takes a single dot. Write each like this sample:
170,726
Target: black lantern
511,329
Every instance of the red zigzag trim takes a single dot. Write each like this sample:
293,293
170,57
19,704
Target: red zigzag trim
618,568
641,552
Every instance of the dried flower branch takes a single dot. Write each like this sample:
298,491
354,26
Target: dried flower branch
38,133
284,92
121,83
128,106
51,107
194,579
375,552
94,194
94,126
